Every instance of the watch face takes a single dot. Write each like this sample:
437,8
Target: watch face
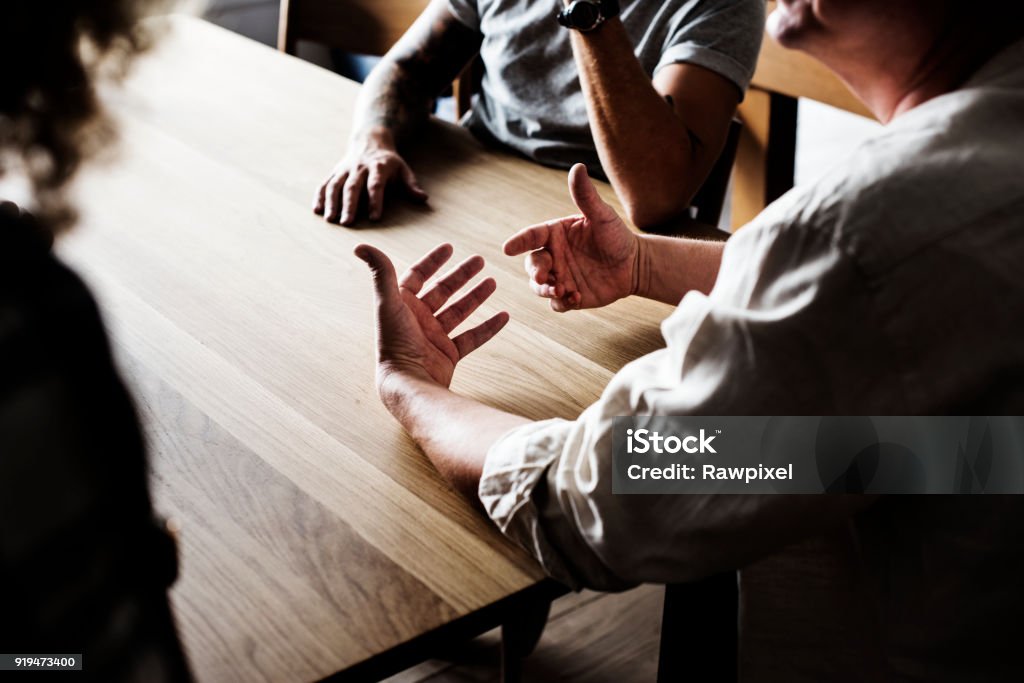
584,14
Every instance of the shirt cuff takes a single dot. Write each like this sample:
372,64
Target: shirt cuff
515,467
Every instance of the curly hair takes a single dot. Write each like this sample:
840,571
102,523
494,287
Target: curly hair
54,53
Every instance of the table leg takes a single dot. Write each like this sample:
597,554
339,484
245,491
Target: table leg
520,635
699,631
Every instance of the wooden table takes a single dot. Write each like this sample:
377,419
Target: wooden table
315,538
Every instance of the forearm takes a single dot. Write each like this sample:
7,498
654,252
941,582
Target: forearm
390,107
455,432
669,267
644,146
398,95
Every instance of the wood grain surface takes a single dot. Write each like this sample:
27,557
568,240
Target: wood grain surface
314,534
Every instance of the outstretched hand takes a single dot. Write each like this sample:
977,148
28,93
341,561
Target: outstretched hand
582,261
412,328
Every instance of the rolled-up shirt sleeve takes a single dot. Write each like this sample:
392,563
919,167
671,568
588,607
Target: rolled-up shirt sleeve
513,479
722,36
763,342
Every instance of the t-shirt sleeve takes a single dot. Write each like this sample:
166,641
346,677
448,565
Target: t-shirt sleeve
721,35
759,344
466,11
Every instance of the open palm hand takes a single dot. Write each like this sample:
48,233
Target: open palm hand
412,327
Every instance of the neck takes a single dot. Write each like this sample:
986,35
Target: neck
890,86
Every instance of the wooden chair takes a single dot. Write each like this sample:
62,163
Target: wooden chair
368,27
765,158
710,198
365,27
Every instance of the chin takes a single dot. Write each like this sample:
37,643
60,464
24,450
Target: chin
788,25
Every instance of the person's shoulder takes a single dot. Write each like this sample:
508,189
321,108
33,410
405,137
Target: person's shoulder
43,303
36,282
936,170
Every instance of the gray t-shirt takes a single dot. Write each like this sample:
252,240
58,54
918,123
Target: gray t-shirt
531,98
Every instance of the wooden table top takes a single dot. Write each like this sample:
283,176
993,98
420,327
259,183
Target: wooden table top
314,534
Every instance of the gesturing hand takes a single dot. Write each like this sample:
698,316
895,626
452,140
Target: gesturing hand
583,261
374,167
412,335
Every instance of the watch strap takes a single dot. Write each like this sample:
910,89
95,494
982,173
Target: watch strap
609,9
606,9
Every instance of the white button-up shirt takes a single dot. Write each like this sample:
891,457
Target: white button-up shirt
894,286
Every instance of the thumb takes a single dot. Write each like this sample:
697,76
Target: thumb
385,281
585,195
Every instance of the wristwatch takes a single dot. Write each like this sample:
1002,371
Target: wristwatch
586,15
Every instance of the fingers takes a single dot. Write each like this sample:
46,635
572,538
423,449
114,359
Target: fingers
568,302
546,250
445,287
424,269
456,314
375,184
453,281
339,196
320,198
471,340
388,294
412,185
530,238
332,196
544,281
538,266
585,195
350,196
385,281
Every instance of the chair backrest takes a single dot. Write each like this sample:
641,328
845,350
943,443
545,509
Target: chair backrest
365,27
710,199
368,27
